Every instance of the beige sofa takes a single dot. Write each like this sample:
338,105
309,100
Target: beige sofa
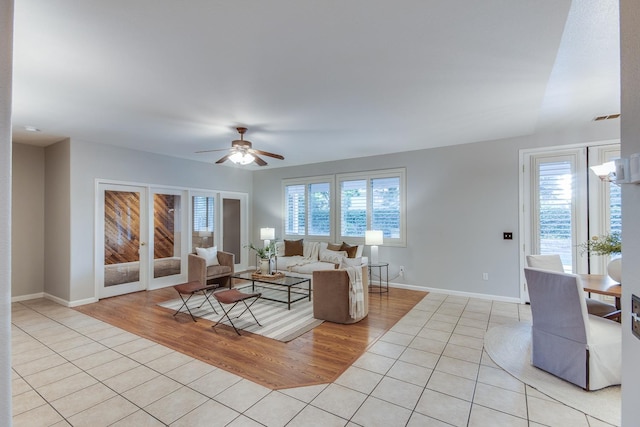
316,257
331,295
218,274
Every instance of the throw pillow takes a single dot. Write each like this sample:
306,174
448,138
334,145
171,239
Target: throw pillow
351,250
334,257
334,247
293,247
209,254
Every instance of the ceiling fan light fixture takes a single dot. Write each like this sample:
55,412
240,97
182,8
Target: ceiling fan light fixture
241,158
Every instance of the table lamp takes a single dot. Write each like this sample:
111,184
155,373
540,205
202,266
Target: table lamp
373,238
267,234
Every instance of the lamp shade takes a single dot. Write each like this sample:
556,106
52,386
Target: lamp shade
373,237
604,169
267,233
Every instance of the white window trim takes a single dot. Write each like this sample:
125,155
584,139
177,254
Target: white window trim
334,183
306,181
367,176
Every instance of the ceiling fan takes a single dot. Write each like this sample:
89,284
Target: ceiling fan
242,153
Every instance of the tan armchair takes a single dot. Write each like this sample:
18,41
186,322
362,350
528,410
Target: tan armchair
331,295
219,274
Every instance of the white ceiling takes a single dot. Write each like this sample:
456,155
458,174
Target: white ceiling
314,81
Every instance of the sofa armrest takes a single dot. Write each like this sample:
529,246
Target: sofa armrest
226,258
197,269
331,295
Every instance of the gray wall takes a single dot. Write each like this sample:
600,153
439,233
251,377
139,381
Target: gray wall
57,224
27,220
89,162
630,69
459,200
6,42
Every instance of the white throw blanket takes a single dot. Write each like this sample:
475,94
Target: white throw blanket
356,292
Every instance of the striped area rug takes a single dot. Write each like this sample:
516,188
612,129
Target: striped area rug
277,322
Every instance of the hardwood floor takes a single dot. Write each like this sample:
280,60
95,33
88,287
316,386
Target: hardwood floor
319,356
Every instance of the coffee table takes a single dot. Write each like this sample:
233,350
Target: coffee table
287,289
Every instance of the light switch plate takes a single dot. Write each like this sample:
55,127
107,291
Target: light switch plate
635,315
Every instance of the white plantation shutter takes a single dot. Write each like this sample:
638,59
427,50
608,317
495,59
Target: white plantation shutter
319,219
295,212
342,207
353,208
615,208
555,214
385,206
203,213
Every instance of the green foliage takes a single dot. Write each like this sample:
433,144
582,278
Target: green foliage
265,253
607,244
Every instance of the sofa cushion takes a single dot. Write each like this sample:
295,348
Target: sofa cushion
309,268
218,270
332,256
285,262
350,262
333,247
293,247
209,254
310,250
350,250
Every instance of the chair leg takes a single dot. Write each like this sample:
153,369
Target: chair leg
226,314
247,308
206,298
184,304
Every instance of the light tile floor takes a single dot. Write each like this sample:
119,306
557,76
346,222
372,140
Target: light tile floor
428,370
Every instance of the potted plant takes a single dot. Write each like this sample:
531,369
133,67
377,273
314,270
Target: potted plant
607,244
265,254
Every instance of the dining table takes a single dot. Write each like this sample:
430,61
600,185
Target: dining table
603,285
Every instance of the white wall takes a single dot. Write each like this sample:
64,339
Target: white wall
630,70
27,220
6,60
89,162
459,200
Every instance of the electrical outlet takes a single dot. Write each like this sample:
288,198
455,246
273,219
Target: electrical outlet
485,276
507,235
402,271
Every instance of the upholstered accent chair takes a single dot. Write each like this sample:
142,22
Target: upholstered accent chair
567,342
198,270
554,263
331,295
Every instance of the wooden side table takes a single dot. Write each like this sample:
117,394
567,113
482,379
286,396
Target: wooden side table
379,288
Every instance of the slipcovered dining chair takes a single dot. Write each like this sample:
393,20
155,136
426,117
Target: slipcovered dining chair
583,349
554,263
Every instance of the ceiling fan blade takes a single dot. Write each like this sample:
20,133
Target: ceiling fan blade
258,161
266,153
211,151
224,158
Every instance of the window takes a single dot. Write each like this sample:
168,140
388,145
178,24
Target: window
203,209
307,206
372,201
202,235
343,207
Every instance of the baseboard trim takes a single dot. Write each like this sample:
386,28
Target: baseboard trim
82,302
27,297
455,293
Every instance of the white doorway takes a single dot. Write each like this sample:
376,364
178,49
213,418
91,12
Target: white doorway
564,204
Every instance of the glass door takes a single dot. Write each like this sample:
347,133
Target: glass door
121,253
234,228
167,240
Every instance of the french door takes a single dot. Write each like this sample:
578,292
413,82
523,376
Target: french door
563,204
121,238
